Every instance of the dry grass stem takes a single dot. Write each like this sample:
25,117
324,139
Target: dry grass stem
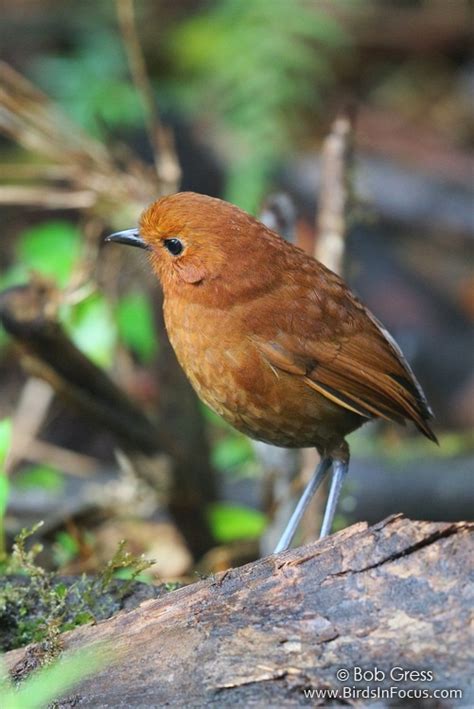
166,164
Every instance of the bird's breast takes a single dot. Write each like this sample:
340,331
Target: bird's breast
215,348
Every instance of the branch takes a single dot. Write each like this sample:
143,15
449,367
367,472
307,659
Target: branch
46,197
28,314
115,190
394,595
24,313
166,163
335,193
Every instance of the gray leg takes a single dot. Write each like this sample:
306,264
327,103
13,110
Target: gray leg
339,472
311,487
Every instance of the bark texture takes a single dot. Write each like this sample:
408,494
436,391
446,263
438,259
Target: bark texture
393,595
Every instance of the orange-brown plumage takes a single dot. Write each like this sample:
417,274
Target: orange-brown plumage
272,340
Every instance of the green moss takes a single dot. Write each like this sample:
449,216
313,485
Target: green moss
37,605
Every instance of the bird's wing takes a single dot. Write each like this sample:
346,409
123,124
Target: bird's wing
355,364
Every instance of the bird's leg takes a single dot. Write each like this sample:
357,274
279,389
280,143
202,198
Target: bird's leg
311,487
339,472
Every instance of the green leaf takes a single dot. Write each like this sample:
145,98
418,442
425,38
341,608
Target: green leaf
67,542
232,451
82,618
51,248
231,522
60,590
40,476
135,325
93,329
65,549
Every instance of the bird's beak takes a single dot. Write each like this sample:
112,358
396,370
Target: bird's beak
128,236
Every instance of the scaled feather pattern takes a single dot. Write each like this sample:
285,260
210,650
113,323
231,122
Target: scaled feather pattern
271,339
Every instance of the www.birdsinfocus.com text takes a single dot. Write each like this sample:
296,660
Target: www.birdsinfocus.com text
375,683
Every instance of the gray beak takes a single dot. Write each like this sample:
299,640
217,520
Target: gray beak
131,237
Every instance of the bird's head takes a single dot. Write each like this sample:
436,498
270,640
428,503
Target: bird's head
195,240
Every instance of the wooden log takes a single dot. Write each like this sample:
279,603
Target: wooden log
387,600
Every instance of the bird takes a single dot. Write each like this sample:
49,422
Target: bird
271,339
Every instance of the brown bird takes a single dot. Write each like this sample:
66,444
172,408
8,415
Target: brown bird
272,340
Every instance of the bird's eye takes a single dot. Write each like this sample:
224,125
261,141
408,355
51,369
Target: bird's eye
174,246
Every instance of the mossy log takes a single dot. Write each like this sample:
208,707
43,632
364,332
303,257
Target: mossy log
395,595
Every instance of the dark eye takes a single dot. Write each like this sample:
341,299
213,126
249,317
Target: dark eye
174,246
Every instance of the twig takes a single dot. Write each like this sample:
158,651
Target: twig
31,409
68,461
335,193
166,163
29,117
115,191
334,203
15,171
279,464
25,312
47,198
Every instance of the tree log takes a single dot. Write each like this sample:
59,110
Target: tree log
395,595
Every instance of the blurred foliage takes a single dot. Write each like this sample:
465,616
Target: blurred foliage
255,68
92,328
55,249
39,476
136,329
65,548
5,440
92,81
232,451
230,523
451,444
52,681
259,65
51,248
